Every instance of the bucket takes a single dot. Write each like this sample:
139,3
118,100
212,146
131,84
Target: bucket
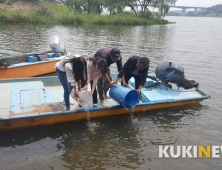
32,59
125,96
84,97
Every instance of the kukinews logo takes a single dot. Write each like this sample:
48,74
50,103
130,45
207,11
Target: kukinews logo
190,151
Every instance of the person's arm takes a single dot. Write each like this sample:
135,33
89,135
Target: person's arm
125,68
87,82
79,85
144,76
124,82
70,74
76,93
139,89
116,81
119,65
107,78
143,80
94,85
71,77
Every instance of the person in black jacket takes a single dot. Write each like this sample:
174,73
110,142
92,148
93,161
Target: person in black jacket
111,55
136,67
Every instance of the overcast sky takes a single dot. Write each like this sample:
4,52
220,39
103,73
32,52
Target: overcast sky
198,3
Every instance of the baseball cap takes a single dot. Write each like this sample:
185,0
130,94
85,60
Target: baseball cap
115,52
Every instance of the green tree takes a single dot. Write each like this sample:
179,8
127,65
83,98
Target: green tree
76,5
142,5
97,6
93,6
217,9
163,5
115,6
90,2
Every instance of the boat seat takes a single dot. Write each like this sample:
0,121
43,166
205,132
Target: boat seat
156,96
169,95
23,96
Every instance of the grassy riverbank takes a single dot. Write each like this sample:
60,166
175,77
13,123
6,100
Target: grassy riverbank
47,13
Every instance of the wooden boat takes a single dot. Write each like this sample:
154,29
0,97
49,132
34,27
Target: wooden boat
29,64
38,101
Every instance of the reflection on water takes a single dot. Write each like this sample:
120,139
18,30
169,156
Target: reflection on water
123,142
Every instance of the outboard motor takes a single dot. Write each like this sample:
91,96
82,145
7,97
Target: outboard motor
169,72
57,45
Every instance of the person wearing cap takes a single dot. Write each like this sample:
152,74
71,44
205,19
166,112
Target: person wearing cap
136,67
112,55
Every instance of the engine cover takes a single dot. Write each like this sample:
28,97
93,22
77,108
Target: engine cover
169,72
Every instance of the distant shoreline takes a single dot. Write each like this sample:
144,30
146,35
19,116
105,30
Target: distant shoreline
212,16
21,12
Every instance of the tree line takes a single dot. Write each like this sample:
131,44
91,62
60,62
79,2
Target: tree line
139,7
217,10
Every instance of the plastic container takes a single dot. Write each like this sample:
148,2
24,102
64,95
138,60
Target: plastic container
84,97
126,97
32,59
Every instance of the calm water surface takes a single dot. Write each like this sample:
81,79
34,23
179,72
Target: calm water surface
118,142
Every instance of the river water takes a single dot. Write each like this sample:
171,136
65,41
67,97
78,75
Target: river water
117,143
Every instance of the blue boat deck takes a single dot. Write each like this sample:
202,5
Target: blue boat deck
157,95
45,95
20,98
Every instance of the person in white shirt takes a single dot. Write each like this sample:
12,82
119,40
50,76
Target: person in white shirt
72,71
96,68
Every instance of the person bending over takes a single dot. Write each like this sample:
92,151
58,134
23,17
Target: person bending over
136,67
96,68
71,72
111,55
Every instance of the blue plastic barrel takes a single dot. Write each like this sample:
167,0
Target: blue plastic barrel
32,59
126,97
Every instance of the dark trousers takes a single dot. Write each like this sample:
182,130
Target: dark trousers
95,100
136,77
103,85
66,86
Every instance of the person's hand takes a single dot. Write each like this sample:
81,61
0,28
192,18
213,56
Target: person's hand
91,92
138,91
115,82
77,95
124,84
85,87
110,85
